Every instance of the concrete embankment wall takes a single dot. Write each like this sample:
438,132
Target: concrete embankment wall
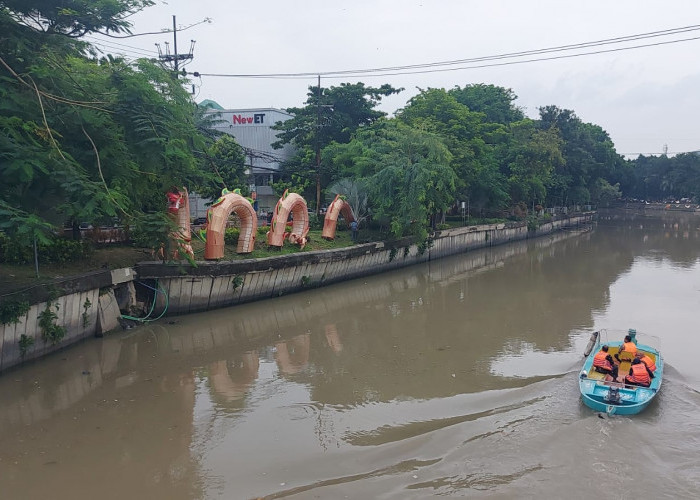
83,307
92,305
211,285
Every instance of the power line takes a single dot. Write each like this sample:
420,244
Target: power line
120,52
118,46
205,20
662,153
469,63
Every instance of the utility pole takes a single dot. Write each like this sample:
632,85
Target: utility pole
318,149
175,58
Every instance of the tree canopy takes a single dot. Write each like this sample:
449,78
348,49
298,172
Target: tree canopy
83,138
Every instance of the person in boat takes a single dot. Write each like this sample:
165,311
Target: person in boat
603,363
639,374
646,359
627,346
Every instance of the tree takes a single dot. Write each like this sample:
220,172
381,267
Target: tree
604,193
83,138
495,102
74,18
588,154
529,158
226,160
411,180
330,115
470,141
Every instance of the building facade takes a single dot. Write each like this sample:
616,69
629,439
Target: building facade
252,129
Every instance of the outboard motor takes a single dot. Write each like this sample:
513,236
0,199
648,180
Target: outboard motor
591,343
613,396
633,335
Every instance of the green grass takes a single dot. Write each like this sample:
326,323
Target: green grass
119,256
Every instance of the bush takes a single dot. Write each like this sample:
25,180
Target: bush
59,251
315,222
532,223
231,236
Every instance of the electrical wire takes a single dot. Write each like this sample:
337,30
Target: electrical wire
696,151
489,61
127,49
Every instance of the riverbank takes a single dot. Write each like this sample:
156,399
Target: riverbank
69,310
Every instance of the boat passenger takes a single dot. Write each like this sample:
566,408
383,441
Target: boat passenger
627,346
639,374
603,363
646,359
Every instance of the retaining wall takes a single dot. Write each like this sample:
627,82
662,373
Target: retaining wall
83,306
184,289
91,305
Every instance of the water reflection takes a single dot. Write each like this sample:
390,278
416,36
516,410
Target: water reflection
440,358
438,299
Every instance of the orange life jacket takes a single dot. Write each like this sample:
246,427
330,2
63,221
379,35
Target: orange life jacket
601,361
629,347
639,375
649,362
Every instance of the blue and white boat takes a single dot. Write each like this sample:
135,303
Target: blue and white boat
600,393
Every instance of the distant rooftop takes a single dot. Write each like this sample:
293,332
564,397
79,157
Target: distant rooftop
208,103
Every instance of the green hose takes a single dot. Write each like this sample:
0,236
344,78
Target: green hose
147,318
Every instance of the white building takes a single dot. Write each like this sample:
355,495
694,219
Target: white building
252,129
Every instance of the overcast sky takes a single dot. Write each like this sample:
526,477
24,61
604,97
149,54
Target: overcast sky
644,98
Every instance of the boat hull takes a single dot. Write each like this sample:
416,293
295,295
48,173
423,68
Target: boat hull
616,398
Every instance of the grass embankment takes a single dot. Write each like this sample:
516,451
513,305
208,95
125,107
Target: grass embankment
119,256
123,255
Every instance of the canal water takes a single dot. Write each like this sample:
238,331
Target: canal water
453,379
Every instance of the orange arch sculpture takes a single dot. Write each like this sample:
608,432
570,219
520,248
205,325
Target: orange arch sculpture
217,215
294,204
330,222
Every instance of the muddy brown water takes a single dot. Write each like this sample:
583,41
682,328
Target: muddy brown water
453,379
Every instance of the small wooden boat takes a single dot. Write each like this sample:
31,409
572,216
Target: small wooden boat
615,397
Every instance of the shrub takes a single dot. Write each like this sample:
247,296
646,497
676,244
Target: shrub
532,223
59,251
231,236
12,310
315,222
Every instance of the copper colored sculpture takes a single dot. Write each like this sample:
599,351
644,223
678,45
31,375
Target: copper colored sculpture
217,215
179,210
330,222
289,203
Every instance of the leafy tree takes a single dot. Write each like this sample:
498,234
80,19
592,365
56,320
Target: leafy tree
588,153
227,161
495,102
330,115
74,18
659,178
412,180
470,141
529,158
604,193
82,138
